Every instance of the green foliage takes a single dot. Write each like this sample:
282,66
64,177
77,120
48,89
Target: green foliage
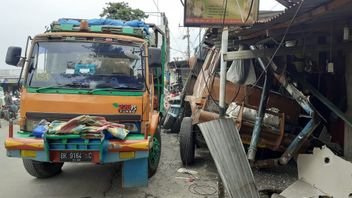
122,11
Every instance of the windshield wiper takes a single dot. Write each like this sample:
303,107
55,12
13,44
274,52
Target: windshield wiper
56,86
112,89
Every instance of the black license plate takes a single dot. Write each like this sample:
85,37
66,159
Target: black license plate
75,156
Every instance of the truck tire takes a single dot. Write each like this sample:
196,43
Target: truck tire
154,153
176,125
187,145
168,121
42,169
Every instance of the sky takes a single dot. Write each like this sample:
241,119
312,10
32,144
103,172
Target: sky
21,18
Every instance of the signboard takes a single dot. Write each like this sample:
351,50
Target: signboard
213,12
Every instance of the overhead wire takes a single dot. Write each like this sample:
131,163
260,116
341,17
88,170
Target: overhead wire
224,3
281,42
249,11
203,190
239,8
156,5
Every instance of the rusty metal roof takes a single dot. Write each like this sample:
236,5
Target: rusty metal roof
285,16
268,20
288,13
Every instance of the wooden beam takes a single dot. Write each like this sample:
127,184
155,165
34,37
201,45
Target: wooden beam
250,54
243,54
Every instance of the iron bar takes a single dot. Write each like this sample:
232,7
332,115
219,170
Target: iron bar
298,142
260,115
327,103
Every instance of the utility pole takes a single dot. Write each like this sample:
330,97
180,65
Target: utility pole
188,44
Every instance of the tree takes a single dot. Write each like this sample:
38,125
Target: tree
122,11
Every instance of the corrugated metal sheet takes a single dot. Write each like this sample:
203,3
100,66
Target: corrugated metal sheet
288,13
226,148
266,15
285,16
268,20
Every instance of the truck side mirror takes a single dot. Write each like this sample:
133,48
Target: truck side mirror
13,55
154,59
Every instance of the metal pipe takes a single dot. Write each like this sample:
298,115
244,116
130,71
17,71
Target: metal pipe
292,149
260,60
223,65
298,142
260,115
297,95
303,101
222,110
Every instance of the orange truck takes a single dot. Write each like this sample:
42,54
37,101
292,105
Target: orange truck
99,67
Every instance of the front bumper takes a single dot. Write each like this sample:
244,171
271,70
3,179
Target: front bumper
133,152
103,151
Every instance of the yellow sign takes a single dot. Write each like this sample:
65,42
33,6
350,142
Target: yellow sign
213,12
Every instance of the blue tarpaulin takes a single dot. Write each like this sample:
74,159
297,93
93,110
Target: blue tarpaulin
68,21
133,23
105,22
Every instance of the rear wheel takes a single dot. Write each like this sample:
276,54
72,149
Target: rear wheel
42,169
154,153
187,146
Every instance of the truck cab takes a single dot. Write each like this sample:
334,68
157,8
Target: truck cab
91,68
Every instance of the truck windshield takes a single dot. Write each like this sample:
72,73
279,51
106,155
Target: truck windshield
87,65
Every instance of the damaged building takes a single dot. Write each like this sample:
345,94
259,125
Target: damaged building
288,91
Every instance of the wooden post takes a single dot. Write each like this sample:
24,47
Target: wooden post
10,128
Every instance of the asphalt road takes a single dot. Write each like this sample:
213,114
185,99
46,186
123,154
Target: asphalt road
89,180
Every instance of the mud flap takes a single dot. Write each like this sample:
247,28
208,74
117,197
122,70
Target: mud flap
135,173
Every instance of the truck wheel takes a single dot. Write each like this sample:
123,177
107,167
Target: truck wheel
176,125
168,121
42,169
187,146
154,153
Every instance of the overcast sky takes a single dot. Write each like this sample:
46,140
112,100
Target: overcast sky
22,18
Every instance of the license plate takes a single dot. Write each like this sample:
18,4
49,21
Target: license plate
75,156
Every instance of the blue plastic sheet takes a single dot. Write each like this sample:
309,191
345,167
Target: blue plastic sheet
105,22
133,23
68,21
136,23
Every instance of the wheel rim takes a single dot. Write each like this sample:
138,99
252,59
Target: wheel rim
154,154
